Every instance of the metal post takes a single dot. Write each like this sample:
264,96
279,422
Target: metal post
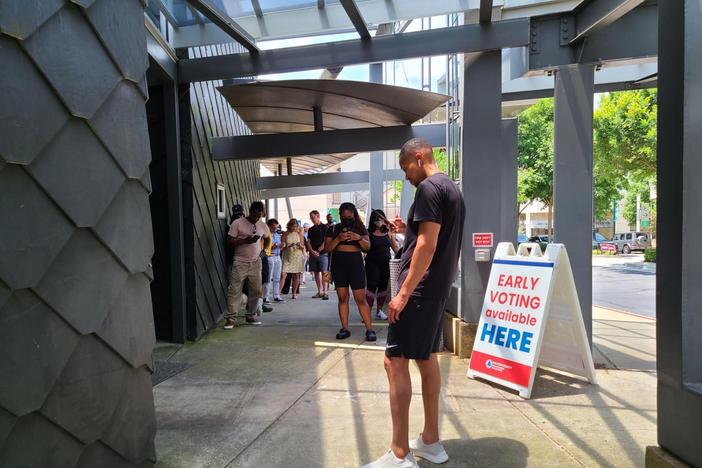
175,211
572,176
678,292
480,177
507,167
376,184
406,199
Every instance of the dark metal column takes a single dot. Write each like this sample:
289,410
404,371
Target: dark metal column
572,176
175,210
480,176
376,157
509,217
678,279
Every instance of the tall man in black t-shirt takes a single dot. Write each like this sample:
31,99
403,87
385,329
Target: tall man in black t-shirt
433,235
319,259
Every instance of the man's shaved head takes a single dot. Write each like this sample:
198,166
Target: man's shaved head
414,146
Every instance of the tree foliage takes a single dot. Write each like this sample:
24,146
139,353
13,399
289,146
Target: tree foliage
624,149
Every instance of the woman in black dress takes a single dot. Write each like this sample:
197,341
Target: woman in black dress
378,261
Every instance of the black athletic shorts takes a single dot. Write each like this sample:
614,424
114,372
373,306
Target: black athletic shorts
418,332
347,270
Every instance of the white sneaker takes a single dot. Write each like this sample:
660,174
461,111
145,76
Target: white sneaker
380,315
434,453
389,460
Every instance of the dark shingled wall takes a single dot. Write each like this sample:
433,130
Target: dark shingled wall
76,325
206,272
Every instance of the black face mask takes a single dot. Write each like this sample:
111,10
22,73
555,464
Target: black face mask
347,222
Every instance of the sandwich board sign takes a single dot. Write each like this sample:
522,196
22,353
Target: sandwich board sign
530,317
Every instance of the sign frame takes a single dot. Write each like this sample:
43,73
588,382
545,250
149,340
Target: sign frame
560,340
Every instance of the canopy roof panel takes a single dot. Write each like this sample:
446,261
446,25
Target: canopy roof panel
288,106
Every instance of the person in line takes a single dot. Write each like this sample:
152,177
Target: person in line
318,257
435,219
293,255
378,261
303,276
275,263
244,235
347,241
330,220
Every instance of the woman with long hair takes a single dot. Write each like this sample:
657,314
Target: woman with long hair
378,261
293,255
347,241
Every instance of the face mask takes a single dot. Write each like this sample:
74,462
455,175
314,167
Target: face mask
347,222
378,223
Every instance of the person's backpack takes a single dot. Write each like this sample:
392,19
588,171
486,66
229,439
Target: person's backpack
237,212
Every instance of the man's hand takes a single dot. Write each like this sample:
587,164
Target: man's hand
396,307
314,253
398,226
251,239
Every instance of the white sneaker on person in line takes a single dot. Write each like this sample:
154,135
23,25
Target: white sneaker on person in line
380,315
434,453
389,460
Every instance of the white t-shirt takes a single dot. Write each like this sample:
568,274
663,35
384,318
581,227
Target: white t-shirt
241,229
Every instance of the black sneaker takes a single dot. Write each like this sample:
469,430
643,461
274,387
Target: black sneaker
343,334
279,300
370,335
266,308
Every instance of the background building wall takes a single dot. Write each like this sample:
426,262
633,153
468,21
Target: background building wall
76,325
205,234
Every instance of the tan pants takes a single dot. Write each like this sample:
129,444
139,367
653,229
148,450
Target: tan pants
241,271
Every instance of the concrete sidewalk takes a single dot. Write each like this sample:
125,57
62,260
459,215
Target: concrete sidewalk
287,394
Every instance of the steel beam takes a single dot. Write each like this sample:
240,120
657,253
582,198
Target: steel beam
225,23
598,14
482,187
160,52
257,8
550,45
485,11
355,140
275,194
572,176
332,18
678,279
506,167
467,38
356,18
325,178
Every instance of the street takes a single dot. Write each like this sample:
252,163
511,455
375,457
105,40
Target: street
625,283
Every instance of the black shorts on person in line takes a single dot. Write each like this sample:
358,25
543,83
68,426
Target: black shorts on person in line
418,332
348,270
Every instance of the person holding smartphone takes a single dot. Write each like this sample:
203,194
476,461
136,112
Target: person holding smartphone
347,241
244,237
382,241
293,255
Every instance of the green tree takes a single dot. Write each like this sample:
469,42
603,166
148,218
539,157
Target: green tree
441,161
535,156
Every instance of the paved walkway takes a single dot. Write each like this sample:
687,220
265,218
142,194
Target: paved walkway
286,394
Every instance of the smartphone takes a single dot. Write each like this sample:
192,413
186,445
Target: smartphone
256,237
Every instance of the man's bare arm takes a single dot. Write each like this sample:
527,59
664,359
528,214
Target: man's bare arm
421,257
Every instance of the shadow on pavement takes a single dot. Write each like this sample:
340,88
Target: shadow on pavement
486,451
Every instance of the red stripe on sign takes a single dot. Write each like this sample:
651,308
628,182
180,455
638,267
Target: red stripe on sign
503,369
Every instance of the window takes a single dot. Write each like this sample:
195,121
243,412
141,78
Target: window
628,236
221,202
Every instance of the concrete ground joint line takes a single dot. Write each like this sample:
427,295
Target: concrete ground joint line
268,427
594,345
538,428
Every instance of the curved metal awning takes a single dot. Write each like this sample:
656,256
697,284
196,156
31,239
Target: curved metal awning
289,106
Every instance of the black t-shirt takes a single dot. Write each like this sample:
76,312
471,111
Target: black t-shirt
438,200
335,230
315,235
379,248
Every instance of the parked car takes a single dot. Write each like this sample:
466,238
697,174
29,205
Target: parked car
541,239
628,242
597,239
